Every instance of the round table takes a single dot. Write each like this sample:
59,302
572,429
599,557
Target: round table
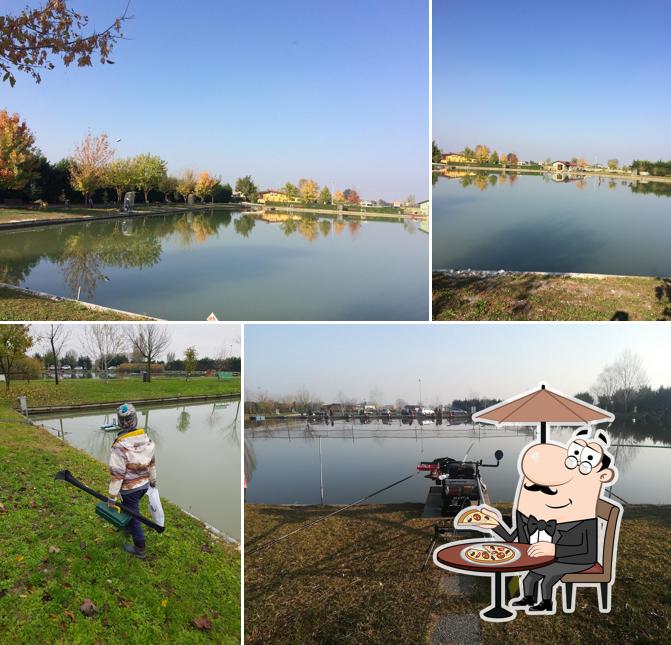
449,556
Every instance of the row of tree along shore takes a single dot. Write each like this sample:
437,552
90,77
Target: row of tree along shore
93,173
483,157
104,349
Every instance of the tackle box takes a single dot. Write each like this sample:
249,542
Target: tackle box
116,517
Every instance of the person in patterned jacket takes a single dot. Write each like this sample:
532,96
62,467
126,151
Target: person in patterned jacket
132,470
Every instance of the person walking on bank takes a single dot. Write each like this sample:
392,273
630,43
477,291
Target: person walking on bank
132,470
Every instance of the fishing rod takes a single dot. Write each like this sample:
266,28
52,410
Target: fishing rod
67,476
270,543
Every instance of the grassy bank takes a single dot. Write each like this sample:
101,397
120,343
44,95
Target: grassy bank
44,393
355,578
528,296
56,553
15,305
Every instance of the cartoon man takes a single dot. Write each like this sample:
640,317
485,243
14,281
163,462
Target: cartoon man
555,511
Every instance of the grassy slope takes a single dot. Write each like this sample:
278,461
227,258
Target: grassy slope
73,391
355,578
20,306
535,297
187,574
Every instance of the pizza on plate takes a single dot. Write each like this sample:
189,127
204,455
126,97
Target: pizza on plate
478,517
489,553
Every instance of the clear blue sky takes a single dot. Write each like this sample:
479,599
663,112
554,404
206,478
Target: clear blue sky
453,360
553,79
279,90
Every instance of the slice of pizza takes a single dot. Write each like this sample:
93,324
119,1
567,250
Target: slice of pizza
477,517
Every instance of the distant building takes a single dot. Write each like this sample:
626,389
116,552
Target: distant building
366,203
455,157
424,207
266,196
561,166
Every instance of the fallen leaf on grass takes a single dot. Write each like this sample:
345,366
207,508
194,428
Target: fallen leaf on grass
19,558
54,549
203,622
69,614
88,608
164,602
2,508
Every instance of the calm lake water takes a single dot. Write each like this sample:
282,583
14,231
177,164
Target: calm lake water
534,223
197,454
282,464
241,267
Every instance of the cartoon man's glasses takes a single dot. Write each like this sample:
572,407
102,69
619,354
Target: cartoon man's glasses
582,457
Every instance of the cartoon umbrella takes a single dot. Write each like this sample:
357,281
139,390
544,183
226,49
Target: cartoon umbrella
543,406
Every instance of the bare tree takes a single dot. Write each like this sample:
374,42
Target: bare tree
303,398
630,375
149,341
375,396
606,386
56,336
103,341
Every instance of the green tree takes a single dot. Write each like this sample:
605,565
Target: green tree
290,190
14,342
168,186
148,171
469,153
494,157
121,177
190,361
613,164
222,193
325,196
436,153
246,186
18,156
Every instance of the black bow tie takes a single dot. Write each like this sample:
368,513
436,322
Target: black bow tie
541,525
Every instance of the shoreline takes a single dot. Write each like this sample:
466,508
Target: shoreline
78,219
346,214
192,398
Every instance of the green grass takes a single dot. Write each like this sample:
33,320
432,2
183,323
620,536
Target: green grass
15,305
56,553
527,296
356,578
44,393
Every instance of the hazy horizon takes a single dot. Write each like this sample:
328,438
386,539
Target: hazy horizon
580,79
453,360
277,91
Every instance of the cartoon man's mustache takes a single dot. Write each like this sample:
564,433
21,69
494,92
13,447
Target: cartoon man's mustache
537,487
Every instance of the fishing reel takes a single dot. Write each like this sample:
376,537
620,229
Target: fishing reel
459,481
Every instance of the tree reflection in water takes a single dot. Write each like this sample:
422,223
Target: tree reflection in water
86,253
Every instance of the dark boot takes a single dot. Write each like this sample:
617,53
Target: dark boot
133,550
523,602
544,605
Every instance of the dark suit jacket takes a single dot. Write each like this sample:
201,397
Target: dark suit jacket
575,542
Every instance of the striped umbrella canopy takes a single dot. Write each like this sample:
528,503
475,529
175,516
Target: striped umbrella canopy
542,406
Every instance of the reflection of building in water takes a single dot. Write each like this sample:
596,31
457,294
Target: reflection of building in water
267,216
455,174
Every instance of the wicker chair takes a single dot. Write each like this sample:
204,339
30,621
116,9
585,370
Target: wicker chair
599,575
